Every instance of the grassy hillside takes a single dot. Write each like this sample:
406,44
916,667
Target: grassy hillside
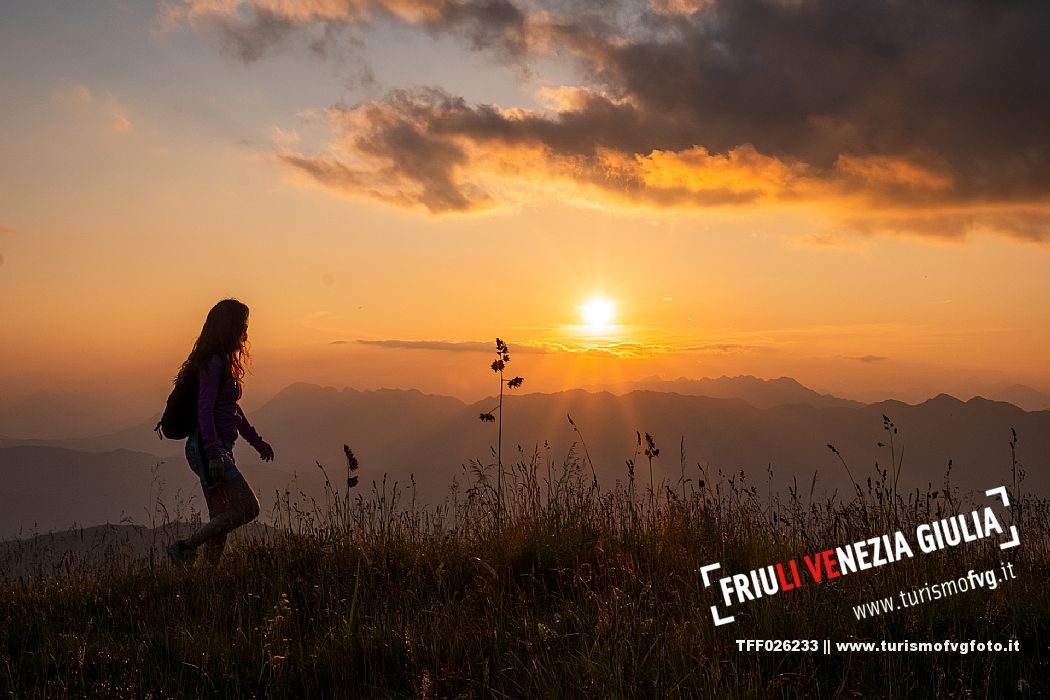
551,589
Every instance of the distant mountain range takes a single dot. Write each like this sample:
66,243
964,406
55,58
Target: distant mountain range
51,488
1024,397
410,435
47,415
760,393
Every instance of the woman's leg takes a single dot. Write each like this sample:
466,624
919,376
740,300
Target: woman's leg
217,504
230,505
239,506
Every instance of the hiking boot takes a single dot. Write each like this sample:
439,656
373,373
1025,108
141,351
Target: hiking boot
180,553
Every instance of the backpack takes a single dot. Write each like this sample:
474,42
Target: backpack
179,419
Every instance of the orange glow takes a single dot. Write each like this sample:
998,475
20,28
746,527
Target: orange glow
429,221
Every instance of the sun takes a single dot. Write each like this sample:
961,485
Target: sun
598,313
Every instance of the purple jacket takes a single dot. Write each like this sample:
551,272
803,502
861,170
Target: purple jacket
218,415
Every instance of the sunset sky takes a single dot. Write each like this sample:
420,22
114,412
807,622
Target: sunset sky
852,193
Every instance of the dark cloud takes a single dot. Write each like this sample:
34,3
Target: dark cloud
965,83
442,345
250,29
486,24
916,117
250,39
428,148
867,359
1023,223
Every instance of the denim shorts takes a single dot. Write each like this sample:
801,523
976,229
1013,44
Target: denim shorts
198,460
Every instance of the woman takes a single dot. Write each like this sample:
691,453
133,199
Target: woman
218,359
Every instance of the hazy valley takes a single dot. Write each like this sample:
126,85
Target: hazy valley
749,424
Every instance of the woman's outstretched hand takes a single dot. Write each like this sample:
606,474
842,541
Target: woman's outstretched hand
265,451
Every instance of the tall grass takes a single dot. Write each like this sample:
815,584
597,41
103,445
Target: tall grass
535,582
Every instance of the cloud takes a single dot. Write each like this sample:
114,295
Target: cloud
119,123
253,28
822,239
867,359
910,118
1023,222
678,7
624,350
442,345
639,350
78,100
283,137
428,149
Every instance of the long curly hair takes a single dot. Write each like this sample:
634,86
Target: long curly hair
225,333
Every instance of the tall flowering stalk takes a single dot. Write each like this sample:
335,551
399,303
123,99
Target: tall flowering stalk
498,366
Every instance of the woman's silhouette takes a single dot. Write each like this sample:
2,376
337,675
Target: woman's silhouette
218,359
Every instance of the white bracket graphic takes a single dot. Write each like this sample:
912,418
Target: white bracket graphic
704,571
1000,491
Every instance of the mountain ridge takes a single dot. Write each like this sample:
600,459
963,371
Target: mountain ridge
428,440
